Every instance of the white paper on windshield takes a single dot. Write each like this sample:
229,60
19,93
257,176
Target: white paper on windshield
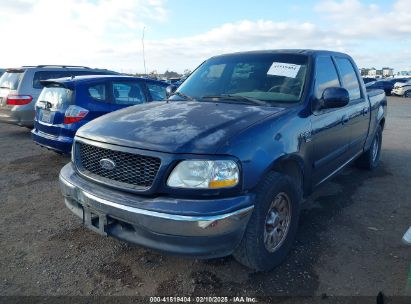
284,69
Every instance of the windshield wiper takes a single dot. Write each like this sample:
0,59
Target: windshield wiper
186,97
237,98
4,87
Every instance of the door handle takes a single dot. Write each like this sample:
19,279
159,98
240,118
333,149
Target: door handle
365,111
345,119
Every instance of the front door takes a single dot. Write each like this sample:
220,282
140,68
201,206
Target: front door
330,129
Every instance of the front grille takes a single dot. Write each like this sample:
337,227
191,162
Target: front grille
131,170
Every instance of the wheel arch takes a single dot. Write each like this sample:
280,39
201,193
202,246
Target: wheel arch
292,166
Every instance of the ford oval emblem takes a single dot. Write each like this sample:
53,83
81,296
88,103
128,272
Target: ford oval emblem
107,164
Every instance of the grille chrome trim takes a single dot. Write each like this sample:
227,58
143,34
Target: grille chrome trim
123,155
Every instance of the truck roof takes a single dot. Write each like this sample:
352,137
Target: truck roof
307,52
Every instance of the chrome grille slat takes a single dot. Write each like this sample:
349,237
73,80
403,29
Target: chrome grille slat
131,170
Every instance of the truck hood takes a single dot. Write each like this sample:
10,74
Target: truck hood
175,127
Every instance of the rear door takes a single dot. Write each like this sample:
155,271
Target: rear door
358,109
95,98
127,93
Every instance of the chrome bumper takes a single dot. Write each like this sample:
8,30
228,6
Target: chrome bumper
119,208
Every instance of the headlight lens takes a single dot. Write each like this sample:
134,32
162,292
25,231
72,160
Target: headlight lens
204,174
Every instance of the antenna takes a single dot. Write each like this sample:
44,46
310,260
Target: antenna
144,53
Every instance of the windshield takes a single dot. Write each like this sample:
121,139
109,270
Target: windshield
10,80
272,78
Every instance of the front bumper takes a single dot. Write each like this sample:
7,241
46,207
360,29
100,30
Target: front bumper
128,217
398,91
61,144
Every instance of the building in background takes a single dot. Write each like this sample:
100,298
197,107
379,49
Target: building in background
374,73
387,72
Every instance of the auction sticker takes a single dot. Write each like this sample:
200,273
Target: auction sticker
284,69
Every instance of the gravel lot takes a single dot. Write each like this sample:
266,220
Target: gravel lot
348,241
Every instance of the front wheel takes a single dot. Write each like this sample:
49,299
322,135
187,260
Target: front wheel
370,159
407,94
273,225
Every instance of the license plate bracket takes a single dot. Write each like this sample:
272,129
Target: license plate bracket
95,221
46,116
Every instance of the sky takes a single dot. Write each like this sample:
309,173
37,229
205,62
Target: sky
181,34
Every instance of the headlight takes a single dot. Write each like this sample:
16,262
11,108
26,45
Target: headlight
204,174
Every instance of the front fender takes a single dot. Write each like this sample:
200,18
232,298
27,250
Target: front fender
263,146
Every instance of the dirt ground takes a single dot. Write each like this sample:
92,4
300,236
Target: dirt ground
349,240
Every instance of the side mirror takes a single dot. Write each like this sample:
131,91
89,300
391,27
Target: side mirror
334,98
170,90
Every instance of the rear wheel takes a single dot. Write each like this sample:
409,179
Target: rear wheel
370,159
273,225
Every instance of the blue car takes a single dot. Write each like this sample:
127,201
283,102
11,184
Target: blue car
66,104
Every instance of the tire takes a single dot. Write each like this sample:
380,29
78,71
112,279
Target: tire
253,251
370,159
407,94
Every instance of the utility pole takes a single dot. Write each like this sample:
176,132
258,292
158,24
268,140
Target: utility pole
144,54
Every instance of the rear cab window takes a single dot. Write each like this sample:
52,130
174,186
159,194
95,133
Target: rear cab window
128,93
11,79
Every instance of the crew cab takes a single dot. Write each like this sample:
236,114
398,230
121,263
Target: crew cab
222,166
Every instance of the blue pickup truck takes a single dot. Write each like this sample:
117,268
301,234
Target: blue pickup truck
223,165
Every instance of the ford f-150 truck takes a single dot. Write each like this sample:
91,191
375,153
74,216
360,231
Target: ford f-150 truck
223,165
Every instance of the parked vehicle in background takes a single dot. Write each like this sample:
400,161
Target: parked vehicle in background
223,165
20,88
368,79
402,89
66,104
384,85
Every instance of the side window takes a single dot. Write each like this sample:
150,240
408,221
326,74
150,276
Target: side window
349,78
157,92
98,92
128,93
44,75
325,76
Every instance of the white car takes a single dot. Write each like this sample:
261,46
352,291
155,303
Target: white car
402,89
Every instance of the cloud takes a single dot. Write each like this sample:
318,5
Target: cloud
49,31
353,19
347,27
105,34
